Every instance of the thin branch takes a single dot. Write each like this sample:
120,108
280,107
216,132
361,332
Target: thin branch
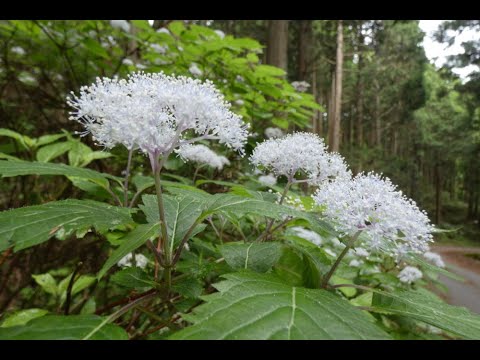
127,175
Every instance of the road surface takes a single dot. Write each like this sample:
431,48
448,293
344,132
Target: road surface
466,293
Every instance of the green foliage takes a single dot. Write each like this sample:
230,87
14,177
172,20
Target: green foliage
428,308
22,317
55,327
254,256
32,225
255,306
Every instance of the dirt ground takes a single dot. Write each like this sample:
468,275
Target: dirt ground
465,293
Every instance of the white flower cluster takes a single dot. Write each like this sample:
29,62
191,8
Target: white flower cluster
304,152
268,180
301,86
356,263
368,202
140,260
195,70
306,234
359,251
273,132
18,50
152,112
203,155
434,258
410,274
120,24
159,48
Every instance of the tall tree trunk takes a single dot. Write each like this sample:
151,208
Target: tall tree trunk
334,140
331,112
378,130
359,105
304,50
438,193
277,43
316,113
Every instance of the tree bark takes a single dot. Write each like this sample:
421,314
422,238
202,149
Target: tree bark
277,43
334,140
438,192
304,49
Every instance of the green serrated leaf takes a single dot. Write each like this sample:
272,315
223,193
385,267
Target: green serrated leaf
55,327
130,242
9,168
426,307
32,225
22,317
189,287
260,306
133,277
259,257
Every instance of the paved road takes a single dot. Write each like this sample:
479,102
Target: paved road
466,293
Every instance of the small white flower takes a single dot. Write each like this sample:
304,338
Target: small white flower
239,102
140,66
301,86
26,78
220,33
434,258
303,153
202,155
410,274
273,132
159,48
239,78
163,30
121,25
18,50
389,221
127,62
309,235
268,180
140,260
359,251
195,70
356,263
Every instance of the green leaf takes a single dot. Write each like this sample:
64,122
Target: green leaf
22,317
94,155
242,205
291,267
50,152
130,242
261,306
83,282
417,260
425,307
47,283
133,277
78,153
259,257
23,140
9,168
189,287
180,214
143,182
48,139
94,47
31,225
56,327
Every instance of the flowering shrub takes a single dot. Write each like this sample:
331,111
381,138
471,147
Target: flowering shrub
347,258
